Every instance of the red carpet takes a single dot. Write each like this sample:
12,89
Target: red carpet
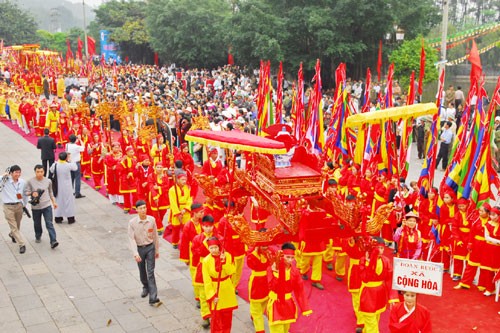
456,311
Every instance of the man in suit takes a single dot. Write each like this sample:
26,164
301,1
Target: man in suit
47,145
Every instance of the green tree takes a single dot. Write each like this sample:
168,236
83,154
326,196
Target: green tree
407,59
16,25
255,32
189,32
53,41
125,21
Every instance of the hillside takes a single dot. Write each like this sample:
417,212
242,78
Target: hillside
57,15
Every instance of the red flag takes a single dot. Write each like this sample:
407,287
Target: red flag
388,94
279,94
366,105
230,59
422,70
299,105
156,60
79,48
90,46
475,60
69,53
379,61
411,90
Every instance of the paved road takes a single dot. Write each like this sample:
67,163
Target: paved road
90,283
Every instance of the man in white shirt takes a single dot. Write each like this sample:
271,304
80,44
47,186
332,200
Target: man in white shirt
444,149
75,150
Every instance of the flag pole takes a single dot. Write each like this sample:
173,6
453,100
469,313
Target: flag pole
444,33
85,31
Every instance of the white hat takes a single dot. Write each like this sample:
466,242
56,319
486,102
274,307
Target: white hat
497,118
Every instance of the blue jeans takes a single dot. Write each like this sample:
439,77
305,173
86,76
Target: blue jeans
76,179
47,216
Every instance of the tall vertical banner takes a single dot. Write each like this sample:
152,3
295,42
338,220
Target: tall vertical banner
109,50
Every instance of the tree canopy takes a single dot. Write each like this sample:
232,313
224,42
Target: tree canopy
125,20
16,25
189,32
407,59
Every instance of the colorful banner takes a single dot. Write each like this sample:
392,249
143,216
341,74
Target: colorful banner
109,50
481,51
471,33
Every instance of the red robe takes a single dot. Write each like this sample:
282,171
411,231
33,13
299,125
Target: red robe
189,232
282,307
211,168
354,273
142,182
233,243
447,214
419,321
199,248
112,173
128,178
97,164
376,287
125,141
258,287
42,117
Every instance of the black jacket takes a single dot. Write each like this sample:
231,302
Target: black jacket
48,146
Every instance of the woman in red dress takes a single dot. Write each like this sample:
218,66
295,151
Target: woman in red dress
409,316
408,238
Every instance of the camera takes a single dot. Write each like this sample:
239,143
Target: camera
36,200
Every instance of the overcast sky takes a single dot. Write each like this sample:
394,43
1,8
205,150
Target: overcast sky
94,3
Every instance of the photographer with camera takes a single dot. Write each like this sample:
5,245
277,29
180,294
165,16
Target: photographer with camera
42,199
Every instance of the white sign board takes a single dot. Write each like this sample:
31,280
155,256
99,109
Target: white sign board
83,82
421,277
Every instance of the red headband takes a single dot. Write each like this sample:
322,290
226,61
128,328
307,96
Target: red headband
495,210
211,242
197,209
289,252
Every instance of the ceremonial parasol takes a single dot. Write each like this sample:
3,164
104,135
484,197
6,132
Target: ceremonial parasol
237,140
396,113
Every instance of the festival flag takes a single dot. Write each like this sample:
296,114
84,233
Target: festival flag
422,70
230,58
379,60
406,133
475,60
426,179
298,103
389,100
486,174
471,141
366,106
279,95
90,46
79,48
69,53
156,59
264,102
315,130
336,130
410,100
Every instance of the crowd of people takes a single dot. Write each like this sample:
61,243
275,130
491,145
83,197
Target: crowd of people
154,175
